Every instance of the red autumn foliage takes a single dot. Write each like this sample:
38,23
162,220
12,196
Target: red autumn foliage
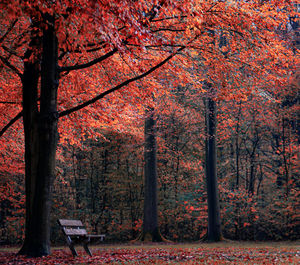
242,48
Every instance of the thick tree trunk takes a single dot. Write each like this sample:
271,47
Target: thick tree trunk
30,122
214,221
150,222
41,141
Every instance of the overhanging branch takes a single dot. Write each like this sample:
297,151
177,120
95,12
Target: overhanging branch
8,30
12,67
17,117
125,83
91,63
151,15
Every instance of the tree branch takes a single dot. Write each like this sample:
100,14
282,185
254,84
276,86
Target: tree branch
17,117
169,18
85,65
9,102
152,14
10,51
13,68
8,30
167,29
125,83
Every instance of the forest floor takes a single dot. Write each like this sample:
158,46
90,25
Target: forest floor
227,252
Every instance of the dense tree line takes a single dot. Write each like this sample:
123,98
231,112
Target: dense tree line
102,182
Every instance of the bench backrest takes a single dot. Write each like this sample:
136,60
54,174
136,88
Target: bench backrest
72,227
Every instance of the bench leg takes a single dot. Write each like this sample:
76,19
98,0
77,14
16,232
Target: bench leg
86,248
71,246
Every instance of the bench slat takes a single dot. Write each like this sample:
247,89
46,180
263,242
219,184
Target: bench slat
65,222
75,232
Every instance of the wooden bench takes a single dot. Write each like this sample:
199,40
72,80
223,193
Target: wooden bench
75,233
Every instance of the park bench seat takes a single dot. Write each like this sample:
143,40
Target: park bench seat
75,232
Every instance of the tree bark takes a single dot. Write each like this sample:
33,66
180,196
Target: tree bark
214,221
41,138
30,122
150,221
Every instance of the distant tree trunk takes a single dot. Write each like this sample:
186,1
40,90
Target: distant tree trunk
237,183
253,163
285,142
150,222
40,143
237,147
252,176
214,221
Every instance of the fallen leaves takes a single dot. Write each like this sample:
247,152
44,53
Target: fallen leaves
169,255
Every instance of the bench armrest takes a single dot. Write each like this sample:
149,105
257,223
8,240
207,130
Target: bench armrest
95,237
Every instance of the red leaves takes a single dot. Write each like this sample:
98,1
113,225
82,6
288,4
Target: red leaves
197,254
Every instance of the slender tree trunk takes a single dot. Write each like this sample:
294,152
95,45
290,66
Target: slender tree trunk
285,142
214,221
237,183
150,222
237,147
252,174
253,164
41,158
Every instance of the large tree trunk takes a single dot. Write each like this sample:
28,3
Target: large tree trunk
150,222
214,221
40,143
30,122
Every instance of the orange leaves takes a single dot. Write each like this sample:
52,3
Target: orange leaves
246,224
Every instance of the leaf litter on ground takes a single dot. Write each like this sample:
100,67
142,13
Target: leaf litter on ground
228,253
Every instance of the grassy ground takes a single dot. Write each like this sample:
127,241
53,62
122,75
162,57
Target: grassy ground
227,252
